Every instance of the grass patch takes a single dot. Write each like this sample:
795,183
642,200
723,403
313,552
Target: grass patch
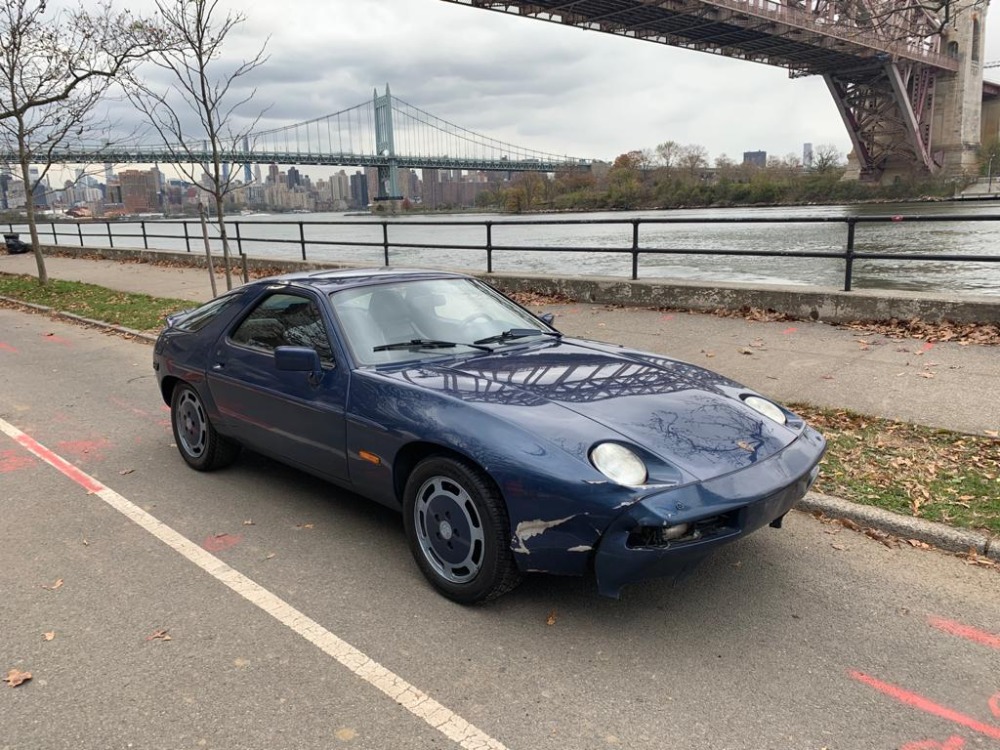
920,471
137,311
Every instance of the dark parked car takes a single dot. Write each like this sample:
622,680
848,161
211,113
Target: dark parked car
508,446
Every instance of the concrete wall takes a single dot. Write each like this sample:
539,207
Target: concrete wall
813,303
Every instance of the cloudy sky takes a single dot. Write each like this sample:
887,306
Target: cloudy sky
535,84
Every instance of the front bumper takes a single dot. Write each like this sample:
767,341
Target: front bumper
721,510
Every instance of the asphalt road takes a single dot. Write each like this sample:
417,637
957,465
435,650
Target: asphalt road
812,636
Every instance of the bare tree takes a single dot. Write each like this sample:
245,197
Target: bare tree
827,158
54,70
205,91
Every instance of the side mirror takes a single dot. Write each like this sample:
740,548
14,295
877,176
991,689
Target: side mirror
548,318
299,359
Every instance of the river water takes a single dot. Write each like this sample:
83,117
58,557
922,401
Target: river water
278,236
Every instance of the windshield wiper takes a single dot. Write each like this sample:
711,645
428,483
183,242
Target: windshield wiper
517,333
426,344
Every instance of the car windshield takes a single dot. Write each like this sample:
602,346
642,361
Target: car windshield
388,322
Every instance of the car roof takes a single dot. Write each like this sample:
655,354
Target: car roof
329,280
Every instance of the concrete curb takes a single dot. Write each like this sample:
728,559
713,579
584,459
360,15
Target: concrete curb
939,535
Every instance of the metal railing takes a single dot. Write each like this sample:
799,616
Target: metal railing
241,237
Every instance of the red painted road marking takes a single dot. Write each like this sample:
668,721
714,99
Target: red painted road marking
59,463
221,542
927,705
952,743
928,345
57,339
669,316
965,631
787,331
995,705
7,348
13,460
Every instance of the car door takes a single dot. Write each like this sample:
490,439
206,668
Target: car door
292,416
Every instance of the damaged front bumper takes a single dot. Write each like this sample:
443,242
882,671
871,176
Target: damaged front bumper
670,532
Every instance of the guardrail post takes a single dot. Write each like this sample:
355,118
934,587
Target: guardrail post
489,247
79,231
849,255
385,240
302,239
187,237
239,241
145,239
111,237
55,237
635,249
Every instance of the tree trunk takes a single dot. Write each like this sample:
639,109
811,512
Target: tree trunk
29,207
220,215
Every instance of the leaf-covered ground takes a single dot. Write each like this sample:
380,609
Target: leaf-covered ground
140,312
932,474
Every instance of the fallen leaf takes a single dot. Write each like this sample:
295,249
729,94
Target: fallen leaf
123,472
345,734
159,635
551,619
248,522
305,526
925,374
57,585
838,546
746,351
745,446
918,544
49,636
828,377
16,677
269,556
86,543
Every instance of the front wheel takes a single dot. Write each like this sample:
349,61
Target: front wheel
199,444
458,531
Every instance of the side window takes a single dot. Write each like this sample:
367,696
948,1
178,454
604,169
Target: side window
285,320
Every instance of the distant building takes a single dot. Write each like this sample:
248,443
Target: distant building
140,190
807,155
359,190
755,158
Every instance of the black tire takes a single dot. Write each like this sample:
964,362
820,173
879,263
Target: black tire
200,446
457,527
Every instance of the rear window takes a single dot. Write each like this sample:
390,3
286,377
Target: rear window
202,316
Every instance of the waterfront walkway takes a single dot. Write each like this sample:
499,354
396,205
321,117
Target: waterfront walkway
937,384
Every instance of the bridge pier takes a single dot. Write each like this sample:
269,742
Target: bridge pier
908,118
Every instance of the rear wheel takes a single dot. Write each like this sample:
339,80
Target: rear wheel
458,530
199,444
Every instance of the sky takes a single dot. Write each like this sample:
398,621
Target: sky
535,84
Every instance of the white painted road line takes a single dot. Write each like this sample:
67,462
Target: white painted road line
414,700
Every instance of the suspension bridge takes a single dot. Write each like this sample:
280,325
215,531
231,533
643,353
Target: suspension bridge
906,75
385,133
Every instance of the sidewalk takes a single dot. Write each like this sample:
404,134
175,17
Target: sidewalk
936,384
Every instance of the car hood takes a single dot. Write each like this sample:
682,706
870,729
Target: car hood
689,417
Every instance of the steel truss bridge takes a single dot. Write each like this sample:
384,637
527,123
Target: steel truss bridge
385,133
889,64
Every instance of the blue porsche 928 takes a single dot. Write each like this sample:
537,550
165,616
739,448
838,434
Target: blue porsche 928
507,446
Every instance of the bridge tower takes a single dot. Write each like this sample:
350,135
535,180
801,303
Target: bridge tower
388,174
959,107
907,116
